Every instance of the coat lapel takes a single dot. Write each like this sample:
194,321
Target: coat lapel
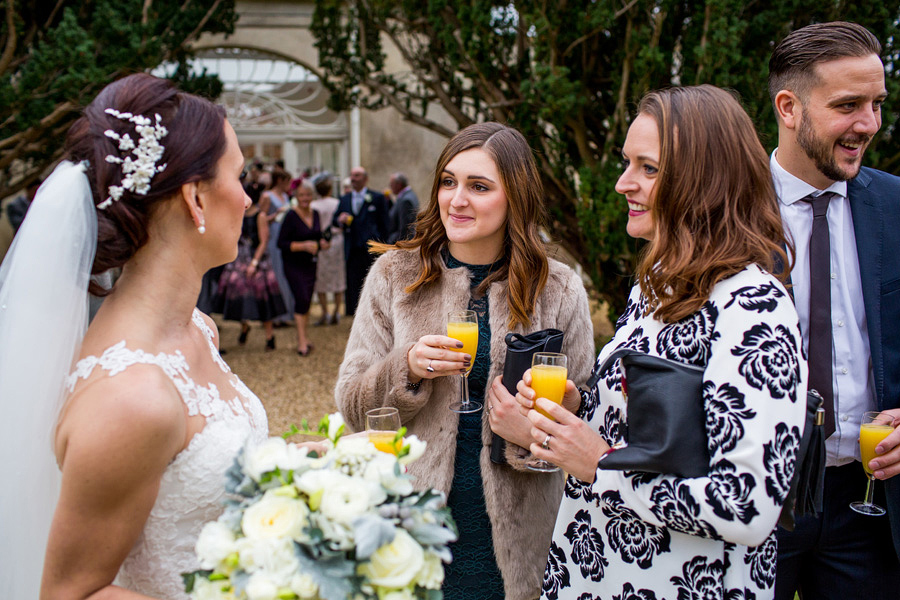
868,226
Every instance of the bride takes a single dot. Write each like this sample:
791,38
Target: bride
150,417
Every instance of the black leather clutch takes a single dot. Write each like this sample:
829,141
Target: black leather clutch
519,351
666,429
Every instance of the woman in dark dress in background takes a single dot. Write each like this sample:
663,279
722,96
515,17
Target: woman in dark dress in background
248,289
300,241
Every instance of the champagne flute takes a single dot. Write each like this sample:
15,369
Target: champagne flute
382,425
462,325
548,380
873,429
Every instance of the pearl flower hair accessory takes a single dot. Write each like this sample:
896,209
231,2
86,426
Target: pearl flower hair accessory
137,171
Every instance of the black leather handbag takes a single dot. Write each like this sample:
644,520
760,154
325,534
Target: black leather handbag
519,351
666,429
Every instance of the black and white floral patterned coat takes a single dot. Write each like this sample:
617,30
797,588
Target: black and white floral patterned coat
640,536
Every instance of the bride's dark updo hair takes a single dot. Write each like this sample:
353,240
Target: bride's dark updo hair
193,146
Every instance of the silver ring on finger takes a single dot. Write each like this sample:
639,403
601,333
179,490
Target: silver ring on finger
546,444
429,368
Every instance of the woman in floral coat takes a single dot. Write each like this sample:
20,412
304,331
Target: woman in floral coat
698,189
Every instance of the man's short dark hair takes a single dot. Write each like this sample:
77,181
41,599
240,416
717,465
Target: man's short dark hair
401,178
792,65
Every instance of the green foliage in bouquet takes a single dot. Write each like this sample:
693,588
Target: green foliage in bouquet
344,525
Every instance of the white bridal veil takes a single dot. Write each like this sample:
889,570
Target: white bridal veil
43,317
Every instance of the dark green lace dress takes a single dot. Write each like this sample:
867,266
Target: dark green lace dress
473,574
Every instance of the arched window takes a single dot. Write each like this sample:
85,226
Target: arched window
278,108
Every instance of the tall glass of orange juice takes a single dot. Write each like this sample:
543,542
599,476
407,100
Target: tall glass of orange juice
382,425
462,325
874,428
548,380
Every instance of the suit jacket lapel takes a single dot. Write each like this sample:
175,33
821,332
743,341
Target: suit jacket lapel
868,223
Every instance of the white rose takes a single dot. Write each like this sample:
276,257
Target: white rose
335,420
275,557
276,516
261,587
394,565
416,449
215,543
346,498
205,589
339,534
381,470
432,574
265,457
357,447
313,484
304,586
404,594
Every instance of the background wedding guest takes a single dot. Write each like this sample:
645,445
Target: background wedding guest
363,214
698,189
18,207
299,241
277,202
330,268
827,85
254,184
248,290
404,209
477,246
151,417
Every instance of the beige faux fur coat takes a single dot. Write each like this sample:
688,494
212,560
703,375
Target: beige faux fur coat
521,504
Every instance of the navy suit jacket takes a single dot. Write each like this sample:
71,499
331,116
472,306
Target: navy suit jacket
875,206
371,223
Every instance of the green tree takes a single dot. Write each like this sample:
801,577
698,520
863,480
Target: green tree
568,74
55,56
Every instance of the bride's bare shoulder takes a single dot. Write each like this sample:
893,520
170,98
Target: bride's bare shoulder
138,407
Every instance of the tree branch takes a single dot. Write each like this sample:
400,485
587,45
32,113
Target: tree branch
407,114
619,111
599,29
433,83
707,15
10,48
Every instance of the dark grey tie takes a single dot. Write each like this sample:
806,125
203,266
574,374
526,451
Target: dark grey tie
820,363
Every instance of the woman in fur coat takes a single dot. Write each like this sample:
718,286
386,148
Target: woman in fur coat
476,247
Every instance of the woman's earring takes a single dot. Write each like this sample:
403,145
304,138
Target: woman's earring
201,229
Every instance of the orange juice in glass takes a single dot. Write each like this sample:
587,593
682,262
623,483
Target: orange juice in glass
462,325
870,435
384,441
875,426
548,380
467,333
382,425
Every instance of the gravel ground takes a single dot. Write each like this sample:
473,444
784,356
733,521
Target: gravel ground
293,387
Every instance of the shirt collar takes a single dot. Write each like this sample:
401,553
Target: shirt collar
791,189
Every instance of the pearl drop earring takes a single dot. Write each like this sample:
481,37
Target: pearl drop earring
202,228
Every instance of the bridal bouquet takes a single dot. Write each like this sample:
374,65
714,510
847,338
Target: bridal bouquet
344,526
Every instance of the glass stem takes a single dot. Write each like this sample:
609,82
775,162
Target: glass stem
870,488
464,389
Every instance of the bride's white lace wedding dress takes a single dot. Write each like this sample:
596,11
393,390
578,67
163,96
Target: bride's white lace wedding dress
192,487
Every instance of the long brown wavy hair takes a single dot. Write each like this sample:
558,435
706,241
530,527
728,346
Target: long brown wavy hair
715,210
524,262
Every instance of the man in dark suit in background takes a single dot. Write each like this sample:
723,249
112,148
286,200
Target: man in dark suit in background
827,85
364,216
403,212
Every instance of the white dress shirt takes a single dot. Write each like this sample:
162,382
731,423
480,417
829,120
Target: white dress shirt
357,199
851,360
